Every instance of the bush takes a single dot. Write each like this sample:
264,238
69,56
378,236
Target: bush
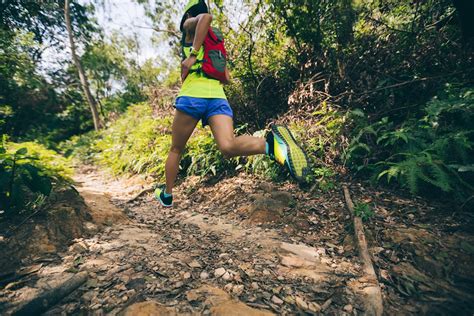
434,153
28,172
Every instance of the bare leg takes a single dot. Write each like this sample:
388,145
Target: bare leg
183,127
231,146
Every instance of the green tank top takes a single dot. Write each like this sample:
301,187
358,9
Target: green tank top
197,85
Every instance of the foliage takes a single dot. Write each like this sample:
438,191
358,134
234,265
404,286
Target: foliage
27,174
364,211
431,154
31,101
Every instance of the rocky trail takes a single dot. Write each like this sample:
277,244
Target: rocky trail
244,246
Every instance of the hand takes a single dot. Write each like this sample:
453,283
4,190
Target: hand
186,66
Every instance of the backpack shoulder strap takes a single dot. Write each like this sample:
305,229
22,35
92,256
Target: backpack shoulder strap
183,42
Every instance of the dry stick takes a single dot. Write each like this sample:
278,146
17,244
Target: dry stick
44,301
144,191
374,303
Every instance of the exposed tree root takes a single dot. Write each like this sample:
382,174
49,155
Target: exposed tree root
373,302
44,301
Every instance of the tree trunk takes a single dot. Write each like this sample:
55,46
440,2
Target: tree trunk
465,10
82,76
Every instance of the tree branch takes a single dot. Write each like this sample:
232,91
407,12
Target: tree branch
170,32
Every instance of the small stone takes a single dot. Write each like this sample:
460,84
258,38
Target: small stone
125,298
79,247
194,264
186,275
91,228
266,272
314,307
204,275
230,261
237,277
219,272
254,285
411,216
277,300
227,276
301,303
228,287
238,289
348,308
289,299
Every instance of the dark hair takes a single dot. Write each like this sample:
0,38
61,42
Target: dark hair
199,8
195,10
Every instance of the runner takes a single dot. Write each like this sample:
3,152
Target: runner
202,98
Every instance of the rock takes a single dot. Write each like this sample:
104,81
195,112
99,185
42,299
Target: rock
193,296
227,276
266,187
219,272
326,304
90,228
238,289
284,197
186,275
79,247
301,303
254,285
221,303
292,261
301,250
204,275
228,287
150,308
348,308
194,264
314,307
266,272
277,300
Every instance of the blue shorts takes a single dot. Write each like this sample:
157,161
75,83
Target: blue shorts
203,108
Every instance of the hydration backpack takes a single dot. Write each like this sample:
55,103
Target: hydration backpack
214,60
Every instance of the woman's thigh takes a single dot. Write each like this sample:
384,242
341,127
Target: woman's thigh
182,128
222,127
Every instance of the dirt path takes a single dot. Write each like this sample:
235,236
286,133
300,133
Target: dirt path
239,247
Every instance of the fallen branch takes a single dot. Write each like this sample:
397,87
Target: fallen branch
44,301
374,303
143,192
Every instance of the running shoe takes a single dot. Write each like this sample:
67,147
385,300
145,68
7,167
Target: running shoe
165,199
285,150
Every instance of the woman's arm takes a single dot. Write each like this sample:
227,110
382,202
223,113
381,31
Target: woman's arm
198,26
227,76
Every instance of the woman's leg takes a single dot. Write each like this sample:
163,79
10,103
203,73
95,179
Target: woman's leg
183,127
223,130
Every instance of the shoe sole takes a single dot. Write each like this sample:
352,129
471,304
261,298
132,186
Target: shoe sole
297,158
157,197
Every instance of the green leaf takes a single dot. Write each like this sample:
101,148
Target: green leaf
21,151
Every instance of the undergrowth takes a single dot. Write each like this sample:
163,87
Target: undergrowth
431,155
28,172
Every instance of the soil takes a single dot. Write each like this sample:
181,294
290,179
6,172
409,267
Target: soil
245,246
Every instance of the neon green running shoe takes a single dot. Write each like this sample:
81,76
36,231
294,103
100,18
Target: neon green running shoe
165,199
285,150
